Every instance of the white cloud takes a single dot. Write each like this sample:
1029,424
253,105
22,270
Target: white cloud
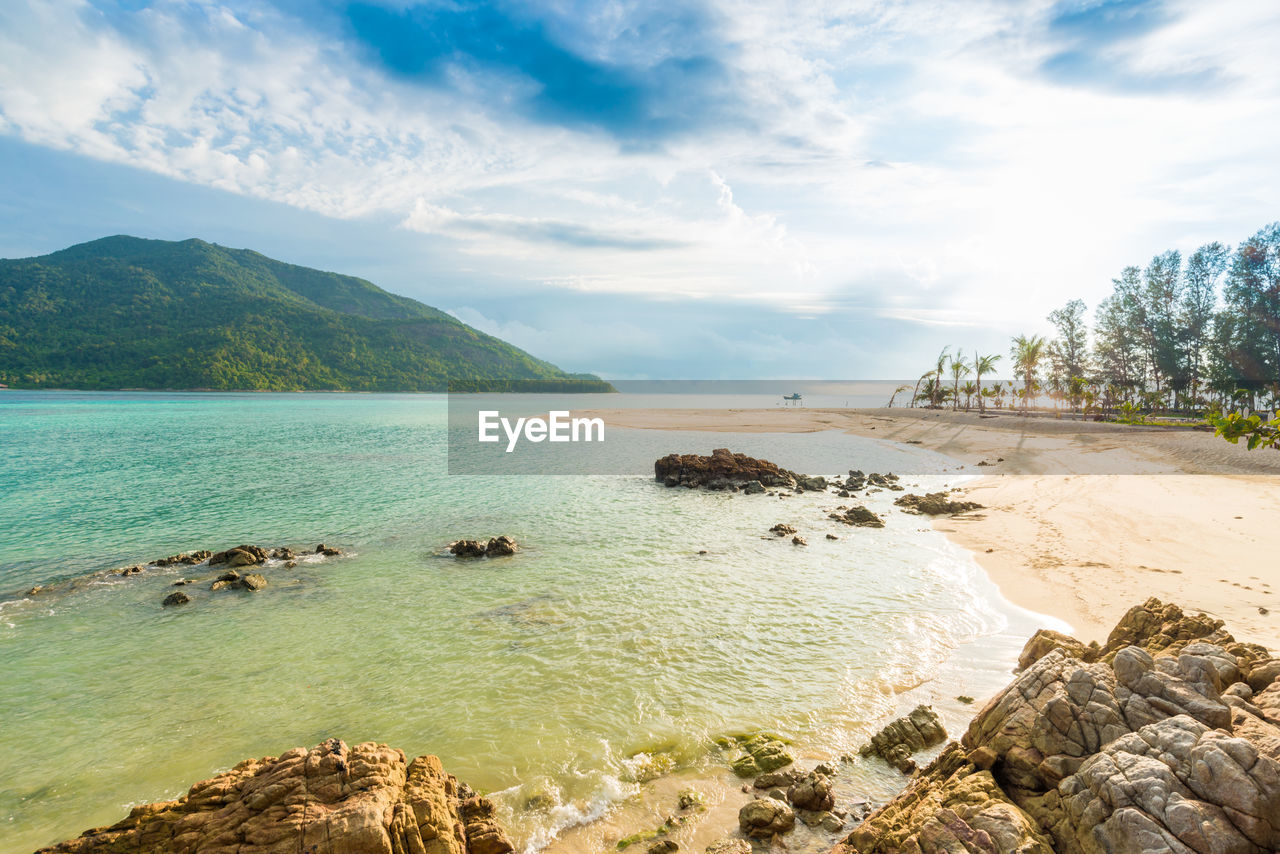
989,184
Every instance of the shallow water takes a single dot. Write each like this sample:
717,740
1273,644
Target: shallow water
607,649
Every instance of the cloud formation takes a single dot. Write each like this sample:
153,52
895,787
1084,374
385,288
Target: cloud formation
906,163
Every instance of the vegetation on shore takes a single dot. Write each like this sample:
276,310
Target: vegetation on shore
128,313
1178,336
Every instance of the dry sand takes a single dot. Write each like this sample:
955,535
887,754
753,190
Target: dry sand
1082,519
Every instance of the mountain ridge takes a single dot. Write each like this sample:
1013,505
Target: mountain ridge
125,312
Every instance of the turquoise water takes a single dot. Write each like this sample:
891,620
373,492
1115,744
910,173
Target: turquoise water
607,644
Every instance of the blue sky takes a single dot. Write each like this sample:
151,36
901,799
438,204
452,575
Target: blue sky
687,189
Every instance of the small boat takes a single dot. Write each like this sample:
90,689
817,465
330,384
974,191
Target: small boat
794,397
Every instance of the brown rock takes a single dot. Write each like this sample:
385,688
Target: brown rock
177,598
500,546
812,793
765,817
722,470
950,807
905,736
361,800
467,548
253,582
859,517
935,504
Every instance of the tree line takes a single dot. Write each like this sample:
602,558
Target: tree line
1178,335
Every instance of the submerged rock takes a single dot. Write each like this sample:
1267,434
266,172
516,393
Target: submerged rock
239,556
253,582
813,792
495,547
935,504
467,548
905,736
178,598
330,798
500,546
762,755
782,530
765,817
859,517
729,845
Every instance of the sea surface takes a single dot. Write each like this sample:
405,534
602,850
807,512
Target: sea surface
610,649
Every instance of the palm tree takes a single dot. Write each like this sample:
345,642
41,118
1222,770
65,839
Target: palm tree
958,370
939,371
896,392
970,389
983,365
1026,352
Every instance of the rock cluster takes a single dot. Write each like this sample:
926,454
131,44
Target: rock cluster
495,547
1166,738
858,481
330,798
725,470
905,736
859,517
762,754
934,504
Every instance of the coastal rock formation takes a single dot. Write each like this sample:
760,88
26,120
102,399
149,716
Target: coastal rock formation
763,754
859,517
178,598
811,483
948,808
723,470
896,742
813,792
765,817
189,559
495,547
782,530
1166,738
330,798
253,582
243,555
934,504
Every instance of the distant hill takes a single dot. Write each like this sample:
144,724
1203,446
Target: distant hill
123,312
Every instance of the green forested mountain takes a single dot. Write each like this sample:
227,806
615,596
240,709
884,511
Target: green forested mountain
123,312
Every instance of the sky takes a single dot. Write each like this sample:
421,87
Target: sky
693,189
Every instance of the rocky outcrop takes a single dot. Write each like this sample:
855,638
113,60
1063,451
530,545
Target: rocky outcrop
178,598
812,792
811,483
950,807
900,739
244,555
495,547
935,504
765,817
331,798
859,517
724,470
1166,738
762,755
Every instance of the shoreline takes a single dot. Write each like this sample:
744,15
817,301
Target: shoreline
1080,519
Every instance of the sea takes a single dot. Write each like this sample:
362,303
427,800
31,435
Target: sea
636,626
